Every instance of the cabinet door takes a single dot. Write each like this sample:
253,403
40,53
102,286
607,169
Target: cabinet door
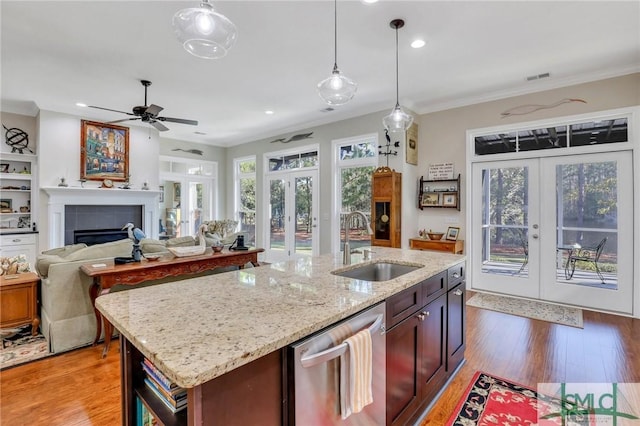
404,345
456,326
433,327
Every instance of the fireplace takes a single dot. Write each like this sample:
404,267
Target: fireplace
54,226
98,236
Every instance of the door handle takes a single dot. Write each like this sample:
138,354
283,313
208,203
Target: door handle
535,236
458,292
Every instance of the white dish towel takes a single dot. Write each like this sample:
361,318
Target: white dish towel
355,374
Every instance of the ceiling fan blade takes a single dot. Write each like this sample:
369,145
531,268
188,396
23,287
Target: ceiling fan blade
109,109
153,110
120,121
178,120
161,127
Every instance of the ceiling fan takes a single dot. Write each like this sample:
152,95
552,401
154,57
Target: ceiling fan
148,114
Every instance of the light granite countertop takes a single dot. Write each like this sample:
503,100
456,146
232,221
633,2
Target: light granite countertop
197,329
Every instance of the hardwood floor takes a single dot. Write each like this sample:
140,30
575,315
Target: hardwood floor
80,388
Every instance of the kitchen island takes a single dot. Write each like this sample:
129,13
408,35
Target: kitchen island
199,331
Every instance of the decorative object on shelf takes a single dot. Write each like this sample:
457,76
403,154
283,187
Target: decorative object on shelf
145,186
135,235
152,257
6,204
24,209
412,144
4,167
191,250
452,233
398,120
127,183
294,138
449,200
337,89
217,248
107,183
431,234
82,181
63,183
442,193
430,199
24,222
203,32
17,139
528,109
104,151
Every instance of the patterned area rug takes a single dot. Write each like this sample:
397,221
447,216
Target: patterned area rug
19,346
490,400
528,308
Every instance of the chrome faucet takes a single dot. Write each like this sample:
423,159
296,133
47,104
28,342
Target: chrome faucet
346,256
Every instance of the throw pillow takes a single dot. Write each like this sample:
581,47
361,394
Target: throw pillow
14,265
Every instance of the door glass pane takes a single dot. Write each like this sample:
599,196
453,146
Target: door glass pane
599,132
303,215
505,199
195,206
496,144
355,187
247,213
587,223
277,214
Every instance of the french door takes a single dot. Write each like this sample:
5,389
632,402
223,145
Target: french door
537,223
292,215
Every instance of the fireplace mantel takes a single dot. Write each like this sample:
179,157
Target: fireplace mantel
59,197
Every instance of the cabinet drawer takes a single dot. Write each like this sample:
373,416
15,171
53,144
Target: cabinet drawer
17,239
433,287
403,304
455,275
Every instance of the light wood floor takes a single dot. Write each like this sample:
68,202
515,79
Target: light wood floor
80,388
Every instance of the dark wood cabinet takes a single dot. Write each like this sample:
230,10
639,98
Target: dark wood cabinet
386,205
424,345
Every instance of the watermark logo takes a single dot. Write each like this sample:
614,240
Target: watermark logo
589,404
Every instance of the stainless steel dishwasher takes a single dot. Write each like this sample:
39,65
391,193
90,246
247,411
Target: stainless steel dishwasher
315,397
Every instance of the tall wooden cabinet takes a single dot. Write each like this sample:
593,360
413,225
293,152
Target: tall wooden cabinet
386,204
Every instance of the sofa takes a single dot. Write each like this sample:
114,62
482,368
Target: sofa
67,315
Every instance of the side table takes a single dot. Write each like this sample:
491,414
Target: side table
19,300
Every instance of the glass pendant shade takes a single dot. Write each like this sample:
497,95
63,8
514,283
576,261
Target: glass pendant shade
398,120
337,89
203,32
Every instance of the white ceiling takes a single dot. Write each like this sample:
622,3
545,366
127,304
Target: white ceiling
57,53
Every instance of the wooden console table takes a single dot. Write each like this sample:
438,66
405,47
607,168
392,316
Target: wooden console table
456,247
106,276
19,300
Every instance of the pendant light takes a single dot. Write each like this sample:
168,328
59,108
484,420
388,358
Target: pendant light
398,120
203,32
337,89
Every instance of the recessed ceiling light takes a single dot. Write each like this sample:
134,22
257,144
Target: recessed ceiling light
80,104
269,112
417,44
369,1
199,133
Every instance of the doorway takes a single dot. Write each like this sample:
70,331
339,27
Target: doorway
292,221
537,224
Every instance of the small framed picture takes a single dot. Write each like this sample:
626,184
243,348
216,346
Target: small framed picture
430,199
452,233
6,203
4,167
449,200
161,194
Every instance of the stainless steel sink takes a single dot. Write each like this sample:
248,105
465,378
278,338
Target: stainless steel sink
382,271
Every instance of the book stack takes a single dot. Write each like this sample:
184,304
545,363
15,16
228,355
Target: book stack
173,396
145,418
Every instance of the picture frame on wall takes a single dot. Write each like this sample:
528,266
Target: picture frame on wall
4,167
449,200
104,151
452,233
430,199
161,199
412,144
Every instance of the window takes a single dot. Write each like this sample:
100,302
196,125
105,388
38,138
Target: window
245,196
355,160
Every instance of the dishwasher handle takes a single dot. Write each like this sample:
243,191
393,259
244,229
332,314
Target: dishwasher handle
336,351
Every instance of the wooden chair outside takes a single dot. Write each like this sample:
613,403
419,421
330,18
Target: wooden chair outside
589,255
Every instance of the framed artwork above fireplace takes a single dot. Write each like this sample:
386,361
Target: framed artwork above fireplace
104,151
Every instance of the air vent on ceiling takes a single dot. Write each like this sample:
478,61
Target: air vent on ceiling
538,77
327,109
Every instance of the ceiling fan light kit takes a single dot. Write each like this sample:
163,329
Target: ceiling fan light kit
397,120
204,32
337,89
